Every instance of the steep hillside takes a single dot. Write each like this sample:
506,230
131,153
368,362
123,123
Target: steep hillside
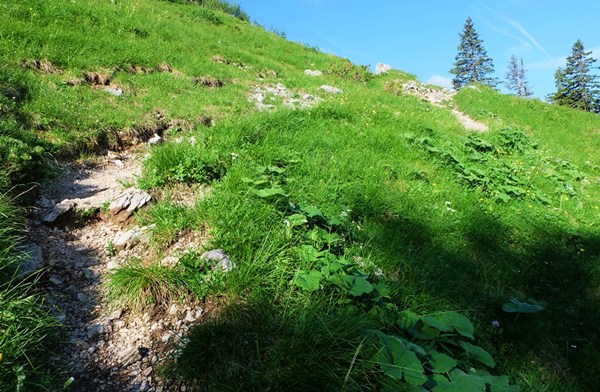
379,234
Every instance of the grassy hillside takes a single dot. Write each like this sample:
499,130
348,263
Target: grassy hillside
367,230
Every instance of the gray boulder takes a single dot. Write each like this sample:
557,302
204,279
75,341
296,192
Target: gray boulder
59,210
330,89
219,260
311,72
127,203
382,68
130,238
33,260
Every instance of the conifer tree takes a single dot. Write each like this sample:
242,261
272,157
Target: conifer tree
516,80
472,62
575,85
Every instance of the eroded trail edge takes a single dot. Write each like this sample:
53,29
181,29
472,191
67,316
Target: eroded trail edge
82,237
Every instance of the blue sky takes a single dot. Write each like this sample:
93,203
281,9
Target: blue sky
421,37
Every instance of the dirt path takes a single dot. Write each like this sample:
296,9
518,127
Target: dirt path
443,98
107,349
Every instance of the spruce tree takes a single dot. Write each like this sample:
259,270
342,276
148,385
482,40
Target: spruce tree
472,62
575,85
516,80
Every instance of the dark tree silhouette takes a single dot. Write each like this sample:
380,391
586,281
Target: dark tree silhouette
472,62
575,85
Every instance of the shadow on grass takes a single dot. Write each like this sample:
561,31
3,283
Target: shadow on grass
259,347
486,262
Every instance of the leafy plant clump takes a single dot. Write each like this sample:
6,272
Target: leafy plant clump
346,70
509,167
183,163
434,352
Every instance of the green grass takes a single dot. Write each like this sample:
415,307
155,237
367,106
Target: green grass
24,325
444,241
423,215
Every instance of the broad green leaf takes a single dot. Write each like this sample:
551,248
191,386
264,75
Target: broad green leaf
503,197
461,382
407,319
425,332
330,238
544,199
414,347
308,280
260,181
269,192
497,383
435,322
396,360
308,253
478,354
334,221
357,285
275,169
296,220
449,321
531,306
385,356
312,211
441,363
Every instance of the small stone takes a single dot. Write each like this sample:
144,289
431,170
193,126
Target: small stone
189,317
58,210
45,203
55,280
88,273
129,356
330,89
112,265
130,238
311,72
169,261
155,139
147,371
114,91
81,344
119,163
381,69
33,262
125,204
115,315
219,259
95,329
173,309
166,337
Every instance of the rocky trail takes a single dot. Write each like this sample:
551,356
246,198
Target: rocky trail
443,98
81,230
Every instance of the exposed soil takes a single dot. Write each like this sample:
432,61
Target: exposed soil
106,349
443,98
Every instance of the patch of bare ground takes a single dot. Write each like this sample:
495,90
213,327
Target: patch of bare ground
106,348
209,81
440,98
43,66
